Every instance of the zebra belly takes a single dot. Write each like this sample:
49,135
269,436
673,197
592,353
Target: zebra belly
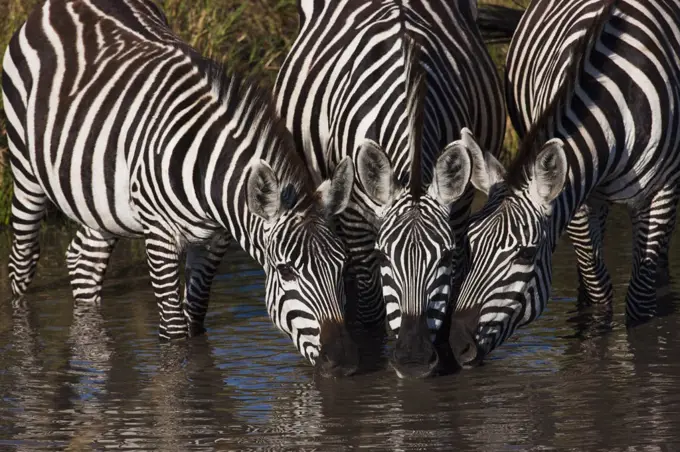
636,186
91,190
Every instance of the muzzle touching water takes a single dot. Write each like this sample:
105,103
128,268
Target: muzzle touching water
339,356
462,340
414,355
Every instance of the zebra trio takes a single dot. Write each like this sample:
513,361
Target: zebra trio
391,84
131,132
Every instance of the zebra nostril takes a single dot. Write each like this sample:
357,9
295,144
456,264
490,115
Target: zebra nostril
339,354
465,353
462,338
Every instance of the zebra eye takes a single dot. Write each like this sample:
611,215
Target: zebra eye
287,272
526,255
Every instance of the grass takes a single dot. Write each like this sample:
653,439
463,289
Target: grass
253,37
14,13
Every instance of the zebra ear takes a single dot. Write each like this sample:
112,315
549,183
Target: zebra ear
335,193
451,173
549,173
487,171
263,196
375,172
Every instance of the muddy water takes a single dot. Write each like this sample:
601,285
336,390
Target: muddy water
95,379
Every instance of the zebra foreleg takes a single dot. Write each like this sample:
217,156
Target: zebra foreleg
653,225
28,207
87,258
201,265
663,272
163,255
586,231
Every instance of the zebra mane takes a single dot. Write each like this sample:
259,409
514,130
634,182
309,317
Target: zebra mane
245,100
416,90
543,127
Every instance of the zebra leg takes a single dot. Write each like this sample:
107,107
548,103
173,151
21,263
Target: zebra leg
663,272
28,208
87,258
663,276
653,224
201,265
163,256
586,231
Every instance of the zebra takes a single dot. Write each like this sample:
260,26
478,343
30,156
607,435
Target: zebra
392,84
593,88
130,132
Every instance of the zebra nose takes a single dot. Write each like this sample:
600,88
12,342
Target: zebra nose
339,356
414,355
465,353
463,344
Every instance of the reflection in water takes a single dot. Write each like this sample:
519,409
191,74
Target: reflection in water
95,377
90,362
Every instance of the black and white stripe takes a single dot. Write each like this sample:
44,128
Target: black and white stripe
593,87
391,84
130,132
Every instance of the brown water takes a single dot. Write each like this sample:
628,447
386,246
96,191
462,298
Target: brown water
575,379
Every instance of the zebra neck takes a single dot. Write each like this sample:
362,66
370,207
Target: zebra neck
576,192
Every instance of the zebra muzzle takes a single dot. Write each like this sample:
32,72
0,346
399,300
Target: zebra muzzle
339,355
414,355
462,339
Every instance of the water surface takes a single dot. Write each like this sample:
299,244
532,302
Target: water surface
98,378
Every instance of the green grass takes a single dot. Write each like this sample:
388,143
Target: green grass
14,13
252,37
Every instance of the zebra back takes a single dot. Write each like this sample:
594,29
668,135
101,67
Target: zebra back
347,50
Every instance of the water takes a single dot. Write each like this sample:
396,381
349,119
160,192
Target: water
98,379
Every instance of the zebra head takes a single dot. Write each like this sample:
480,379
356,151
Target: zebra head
415,248
509,243
304,261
